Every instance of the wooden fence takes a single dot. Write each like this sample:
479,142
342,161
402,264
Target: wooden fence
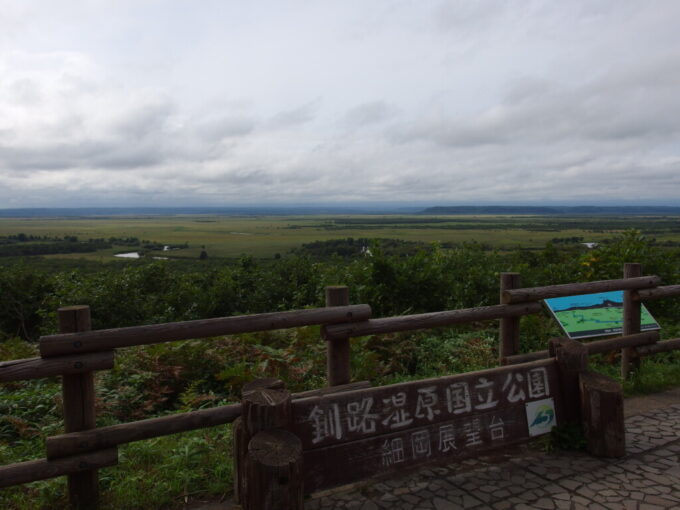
269,417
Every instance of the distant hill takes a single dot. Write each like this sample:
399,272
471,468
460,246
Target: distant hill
281,210
552,210
336,209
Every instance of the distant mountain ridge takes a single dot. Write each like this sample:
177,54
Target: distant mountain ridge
274,210
551,210
336,209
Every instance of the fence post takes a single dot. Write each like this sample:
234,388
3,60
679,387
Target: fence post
79,411
273,471
240,436
602,415
572,360
631,319
337,353
508,333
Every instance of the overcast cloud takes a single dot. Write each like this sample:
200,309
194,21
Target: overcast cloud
173,102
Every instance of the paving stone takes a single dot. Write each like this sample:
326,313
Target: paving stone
442,504
544,503
369,505
648,478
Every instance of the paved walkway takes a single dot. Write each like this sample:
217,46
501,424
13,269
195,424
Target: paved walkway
648,478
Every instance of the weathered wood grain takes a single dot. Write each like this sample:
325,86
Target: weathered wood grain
274,472
572,360
264,409
355,415
602,411
35,368
79,410
240,435
524,358
107,339
621,342
358,385
574,289
33,470
451,440
659,292
428,320
106,437
596,347
508,328
631,319
665,346
337,348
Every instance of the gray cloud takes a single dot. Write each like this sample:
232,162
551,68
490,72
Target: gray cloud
370,113
632,106
456,101
296,116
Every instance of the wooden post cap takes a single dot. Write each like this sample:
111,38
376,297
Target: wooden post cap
269,383
264,409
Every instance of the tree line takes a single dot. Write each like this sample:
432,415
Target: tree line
428,279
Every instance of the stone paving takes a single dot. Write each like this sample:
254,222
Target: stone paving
647,478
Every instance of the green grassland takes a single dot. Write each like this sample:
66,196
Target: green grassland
265,236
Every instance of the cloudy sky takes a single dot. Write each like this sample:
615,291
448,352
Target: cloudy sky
221,103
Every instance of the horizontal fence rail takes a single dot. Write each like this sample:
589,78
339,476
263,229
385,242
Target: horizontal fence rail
106,437
595,347
34,470
573,289
107,339
665,346
659,292
36,368
429,320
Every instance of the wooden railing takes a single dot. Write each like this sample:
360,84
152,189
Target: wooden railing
77,351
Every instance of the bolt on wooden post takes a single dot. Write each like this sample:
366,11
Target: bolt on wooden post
631,319
508,332
79,411
338,349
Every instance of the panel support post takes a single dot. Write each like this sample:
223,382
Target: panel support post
338,348
572,360
508,333
79,410
631,319
272,474
602,413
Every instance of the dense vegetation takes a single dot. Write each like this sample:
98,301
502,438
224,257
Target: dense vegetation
30,245
394,278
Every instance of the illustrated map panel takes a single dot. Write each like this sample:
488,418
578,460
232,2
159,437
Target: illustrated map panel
590,315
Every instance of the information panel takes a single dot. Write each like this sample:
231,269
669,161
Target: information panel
591,315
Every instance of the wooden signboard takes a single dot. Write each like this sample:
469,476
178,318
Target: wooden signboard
352,435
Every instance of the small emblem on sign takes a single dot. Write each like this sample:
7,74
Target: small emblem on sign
540,416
